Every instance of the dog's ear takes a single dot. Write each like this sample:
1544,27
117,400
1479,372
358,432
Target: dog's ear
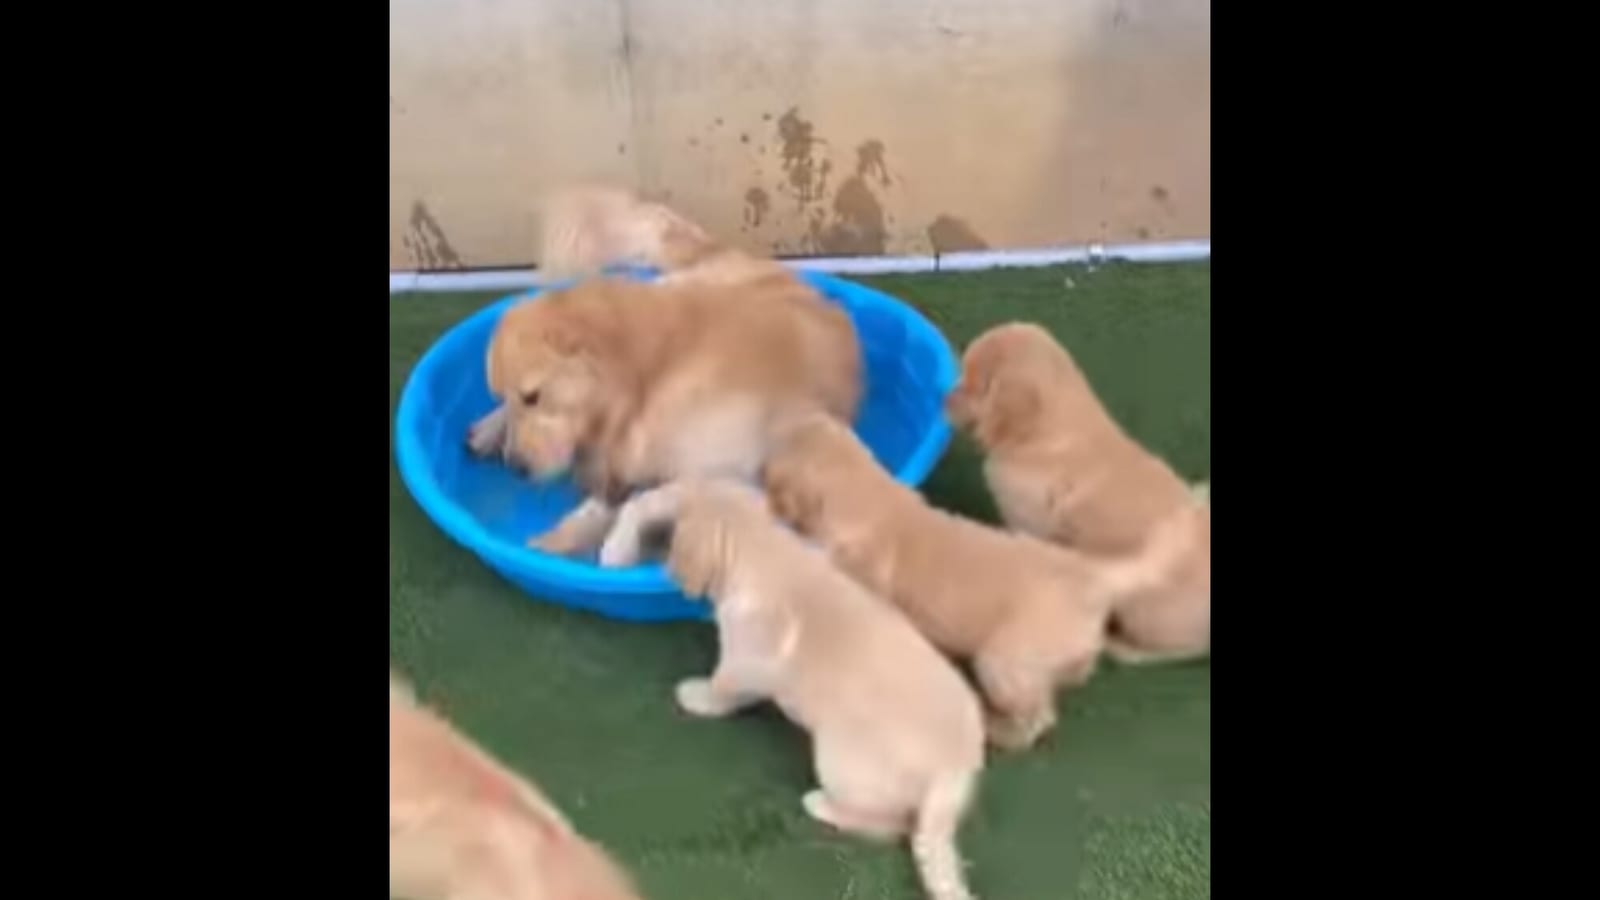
787,495
696,554
495,364
1010,410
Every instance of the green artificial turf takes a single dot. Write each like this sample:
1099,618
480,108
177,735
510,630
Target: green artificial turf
1115,805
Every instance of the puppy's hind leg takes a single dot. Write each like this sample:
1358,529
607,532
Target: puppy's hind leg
1020,696
1024,662
487,436
875,827
858,794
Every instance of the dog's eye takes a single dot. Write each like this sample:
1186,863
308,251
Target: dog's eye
531,398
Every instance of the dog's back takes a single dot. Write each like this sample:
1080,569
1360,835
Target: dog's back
772,325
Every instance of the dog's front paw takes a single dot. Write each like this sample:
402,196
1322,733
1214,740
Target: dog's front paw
696,698
483,442
621,547
557,541
486,438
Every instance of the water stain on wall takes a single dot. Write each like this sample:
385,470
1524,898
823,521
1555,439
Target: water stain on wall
797,137
756,206
869,160
857,227
427,243
949,234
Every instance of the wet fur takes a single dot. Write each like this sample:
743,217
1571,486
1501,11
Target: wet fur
897,734
1061,468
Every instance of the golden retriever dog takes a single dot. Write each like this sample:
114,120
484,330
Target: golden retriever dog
629,384
1061,468
463,827
1030,616
897,735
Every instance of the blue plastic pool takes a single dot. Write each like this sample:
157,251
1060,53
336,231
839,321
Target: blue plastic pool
490,510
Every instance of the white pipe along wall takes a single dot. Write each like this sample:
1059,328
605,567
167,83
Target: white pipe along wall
977,260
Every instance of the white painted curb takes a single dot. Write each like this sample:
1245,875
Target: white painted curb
977,260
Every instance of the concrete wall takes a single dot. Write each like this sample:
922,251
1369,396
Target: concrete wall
803,126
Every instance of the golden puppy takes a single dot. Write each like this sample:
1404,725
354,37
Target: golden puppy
1030,616
1061,468
589,227
463,827
630,384
897,734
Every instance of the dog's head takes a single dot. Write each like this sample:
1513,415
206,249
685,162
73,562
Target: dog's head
1006,376
702,536
545,365
809,470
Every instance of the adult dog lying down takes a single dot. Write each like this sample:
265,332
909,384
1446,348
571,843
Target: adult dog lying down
627,384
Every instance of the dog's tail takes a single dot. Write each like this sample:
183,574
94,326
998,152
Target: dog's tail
933,838
590,227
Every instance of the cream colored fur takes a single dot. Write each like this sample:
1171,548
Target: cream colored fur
464,827
897,734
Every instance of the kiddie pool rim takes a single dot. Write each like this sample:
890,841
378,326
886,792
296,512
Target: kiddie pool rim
646,579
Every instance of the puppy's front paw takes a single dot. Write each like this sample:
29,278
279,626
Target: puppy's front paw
696,698
558,541
487,436
485,441
621,548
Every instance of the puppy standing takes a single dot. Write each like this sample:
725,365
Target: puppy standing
1030,616
463,827
1059,467
634,384
897,735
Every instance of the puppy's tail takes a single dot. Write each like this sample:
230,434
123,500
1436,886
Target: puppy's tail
588,228
933,838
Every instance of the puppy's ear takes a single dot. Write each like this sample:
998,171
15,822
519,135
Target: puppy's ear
495,364
1009,412
787,497
696,554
